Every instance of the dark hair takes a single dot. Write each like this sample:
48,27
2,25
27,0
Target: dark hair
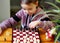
28,1
31,1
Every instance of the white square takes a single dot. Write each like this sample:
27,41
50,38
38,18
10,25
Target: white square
30,32
21,42
36,32
24,32
14,39
33,34
14,34
37,36
21,34
14,30
21,38
18,36
17,33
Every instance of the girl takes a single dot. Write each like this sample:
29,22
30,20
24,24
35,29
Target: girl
29,9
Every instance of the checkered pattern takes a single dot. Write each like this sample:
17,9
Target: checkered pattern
26,36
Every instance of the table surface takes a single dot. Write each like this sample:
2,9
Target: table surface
6,37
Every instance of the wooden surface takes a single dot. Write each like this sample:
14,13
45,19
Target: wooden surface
5,42
43,37
6,36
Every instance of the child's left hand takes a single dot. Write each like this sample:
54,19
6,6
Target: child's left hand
33,24
0,31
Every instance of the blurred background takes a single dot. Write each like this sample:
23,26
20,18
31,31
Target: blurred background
4,9
8,8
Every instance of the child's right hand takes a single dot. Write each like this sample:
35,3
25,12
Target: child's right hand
0,31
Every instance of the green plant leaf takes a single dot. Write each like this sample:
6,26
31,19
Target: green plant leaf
52,4
55,11
58,1
57,37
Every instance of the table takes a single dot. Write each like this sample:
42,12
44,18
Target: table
6,36
43,37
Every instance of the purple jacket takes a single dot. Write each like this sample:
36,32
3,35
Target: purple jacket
21,15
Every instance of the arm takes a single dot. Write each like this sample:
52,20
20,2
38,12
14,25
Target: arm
44,22
11,22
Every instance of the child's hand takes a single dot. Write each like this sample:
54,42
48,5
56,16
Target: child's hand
33,24
0,31
50,33
53,31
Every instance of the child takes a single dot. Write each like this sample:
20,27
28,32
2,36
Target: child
29,9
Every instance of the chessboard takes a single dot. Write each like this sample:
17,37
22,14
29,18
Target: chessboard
25,36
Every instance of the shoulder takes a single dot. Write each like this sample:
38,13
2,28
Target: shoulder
20,11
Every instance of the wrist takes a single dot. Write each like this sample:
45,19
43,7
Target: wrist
38,22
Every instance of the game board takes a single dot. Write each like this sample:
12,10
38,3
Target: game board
25,36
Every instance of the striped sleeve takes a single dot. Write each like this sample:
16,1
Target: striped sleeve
11,22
